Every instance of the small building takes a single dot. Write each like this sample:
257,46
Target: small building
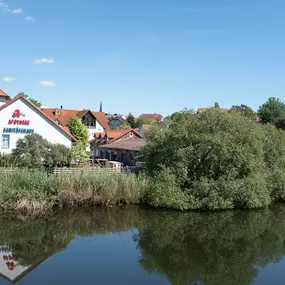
112,150
115,122
125,150
156,117
93,121
19,117
4,98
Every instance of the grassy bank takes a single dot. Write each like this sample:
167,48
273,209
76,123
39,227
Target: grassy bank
36,190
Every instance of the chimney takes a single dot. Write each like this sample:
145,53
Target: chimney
56,112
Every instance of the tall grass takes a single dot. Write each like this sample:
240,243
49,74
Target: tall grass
36,190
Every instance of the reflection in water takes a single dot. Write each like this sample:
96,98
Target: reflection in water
185,248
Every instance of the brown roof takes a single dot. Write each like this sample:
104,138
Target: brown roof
114,135
133,143
101,117
64,116
151,116
218,109
42,113
3,94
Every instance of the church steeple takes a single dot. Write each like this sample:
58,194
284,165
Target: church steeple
101,107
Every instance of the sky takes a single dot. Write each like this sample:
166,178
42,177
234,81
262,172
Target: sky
143,56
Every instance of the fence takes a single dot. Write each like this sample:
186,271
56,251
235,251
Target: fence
7,170
67,170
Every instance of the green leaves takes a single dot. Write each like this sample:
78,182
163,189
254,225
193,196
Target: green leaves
272,112
218,160
33,151
78,130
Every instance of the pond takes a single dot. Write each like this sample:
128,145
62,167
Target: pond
134,245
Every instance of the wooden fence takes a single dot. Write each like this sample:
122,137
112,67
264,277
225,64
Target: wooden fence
7,170
68,170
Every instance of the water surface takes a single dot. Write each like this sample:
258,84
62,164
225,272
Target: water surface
134,245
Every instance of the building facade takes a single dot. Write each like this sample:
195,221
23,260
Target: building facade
115,122
19,117
117,145
95,122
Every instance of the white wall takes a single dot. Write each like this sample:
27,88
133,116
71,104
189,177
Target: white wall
2,101
92,130
38,123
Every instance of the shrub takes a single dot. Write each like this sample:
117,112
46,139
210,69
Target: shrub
218,160
33,151
165,192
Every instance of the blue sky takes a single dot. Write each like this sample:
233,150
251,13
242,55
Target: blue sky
143,55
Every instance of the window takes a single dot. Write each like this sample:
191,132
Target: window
5,141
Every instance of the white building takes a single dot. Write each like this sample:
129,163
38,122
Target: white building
95,122
19,117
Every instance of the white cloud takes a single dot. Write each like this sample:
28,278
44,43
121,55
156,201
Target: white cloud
47,83
3,5
43,60
17,11
29,18
8,79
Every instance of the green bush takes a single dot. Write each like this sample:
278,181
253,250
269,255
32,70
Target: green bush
33,151
217,160
165,192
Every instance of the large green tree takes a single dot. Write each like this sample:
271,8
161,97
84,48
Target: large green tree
34,151
131,120
272,112
214,160
78,130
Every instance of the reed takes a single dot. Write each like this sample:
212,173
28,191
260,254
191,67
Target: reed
37,190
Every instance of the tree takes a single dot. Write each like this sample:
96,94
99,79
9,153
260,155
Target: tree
142,121
216,105
35,102
244,110
78,151
132,121
217,159
78,130
125,126
272,112
34,151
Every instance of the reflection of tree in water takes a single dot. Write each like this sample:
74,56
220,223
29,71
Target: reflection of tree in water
186,248
211,248
33,240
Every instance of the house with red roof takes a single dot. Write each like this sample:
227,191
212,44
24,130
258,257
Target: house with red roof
117,145
94,122
157,117
4,98
19,117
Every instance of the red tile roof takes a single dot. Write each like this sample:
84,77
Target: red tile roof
64,129
64,116
114,135
3,94
151,116
102,119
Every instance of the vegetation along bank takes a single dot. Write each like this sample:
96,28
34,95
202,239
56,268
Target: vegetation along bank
207,161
